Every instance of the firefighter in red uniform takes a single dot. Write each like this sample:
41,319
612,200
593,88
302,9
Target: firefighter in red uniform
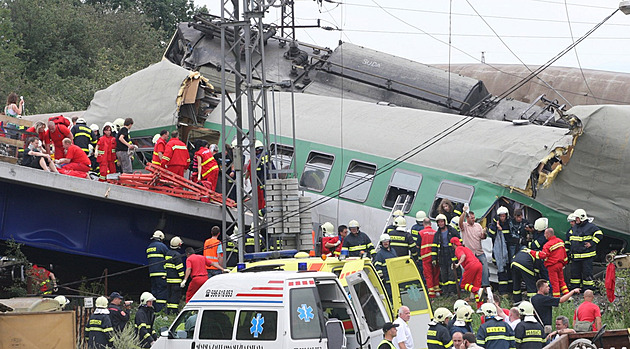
555,257
160,148
331,243
106,153
55,135
431,272
42,280
207,167
471,280
176,158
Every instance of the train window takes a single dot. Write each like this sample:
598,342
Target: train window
316,171
403,183
358,181
282,156
456,193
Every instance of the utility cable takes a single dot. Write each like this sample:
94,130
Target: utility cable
577,57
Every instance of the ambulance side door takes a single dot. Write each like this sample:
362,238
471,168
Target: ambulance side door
369,307
409,290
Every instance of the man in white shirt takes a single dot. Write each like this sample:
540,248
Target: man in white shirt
472,234
403,339
515,317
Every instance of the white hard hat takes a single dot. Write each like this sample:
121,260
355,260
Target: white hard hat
329,230
455,222
503,210
398,213
441,314
571,217
158,235
81,121
440,217
258,144
541,224
384,237
421,215
459,303
146,297
464,313
176,242
63,301
94,127
155,138
400,222
119,123
489,309
353,224
581,214
526,308
101,302
109,124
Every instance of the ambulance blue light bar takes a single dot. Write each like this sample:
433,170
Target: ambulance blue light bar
257,256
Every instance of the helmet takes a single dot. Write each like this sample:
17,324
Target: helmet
489,309
155,138
258,144
63,301
400,222
455,222
503,210
398,213
526,308
464,313
108,124
329,230
353,224
459,303
158,235
119,123
541,224
94,127
101,302
440,216
421,215
581,214
235,230
176,242
441,314
81,121
384,237
146,297
571,217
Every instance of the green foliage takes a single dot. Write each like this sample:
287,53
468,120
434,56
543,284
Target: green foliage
91,288
127,338
18,288
57,53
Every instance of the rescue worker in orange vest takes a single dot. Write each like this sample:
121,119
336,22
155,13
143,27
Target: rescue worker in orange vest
176,158
213,251
160,148
555,257
207,167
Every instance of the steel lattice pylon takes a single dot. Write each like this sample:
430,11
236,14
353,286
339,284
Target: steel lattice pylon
245,110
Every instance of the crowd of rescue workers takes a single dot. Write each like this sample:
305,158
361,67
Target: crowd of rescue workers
449,258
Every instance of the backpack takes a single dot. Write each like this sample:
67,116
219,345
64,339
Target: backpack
60,119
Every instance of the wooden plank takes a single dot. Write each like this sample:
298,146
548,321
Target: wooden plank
8,159
21,122
14,142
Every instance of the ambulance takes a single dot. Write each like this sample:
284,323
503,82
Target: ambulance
300,303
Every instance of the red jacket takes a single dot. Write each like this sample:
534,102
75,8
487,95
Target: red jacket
209,166
77,155
176,154
332,240
106,149
553,252
470,261
160,147
57,137
426,242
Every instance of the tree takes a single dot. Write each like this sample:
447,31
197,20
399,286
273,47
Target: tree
12,67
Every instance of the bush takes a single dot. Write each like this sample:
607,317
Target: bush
127,338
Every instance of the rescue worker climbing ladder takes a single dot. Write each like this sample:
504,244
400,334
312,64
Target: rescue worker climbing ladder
401,241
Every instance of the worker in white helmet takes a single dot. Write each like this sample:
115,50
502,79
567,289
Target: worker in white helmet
156,254
99,327
419,225
330,239
82,135
384,253
582,241
402,241
395,214
145,317
263,167
443,255
504,248
357,243
174,275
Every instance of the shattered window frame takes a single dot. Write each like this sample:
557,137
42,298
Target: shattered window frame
359,192
312,166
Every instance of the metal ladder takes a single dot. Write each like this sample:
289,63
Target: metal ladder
401,202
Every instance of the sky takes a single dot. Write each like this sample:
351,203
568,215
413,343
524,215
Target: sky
506,31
